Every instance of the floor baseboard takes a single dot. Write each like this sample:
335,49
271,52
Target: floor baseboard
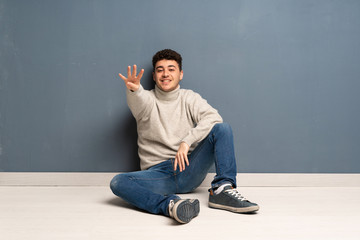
243,179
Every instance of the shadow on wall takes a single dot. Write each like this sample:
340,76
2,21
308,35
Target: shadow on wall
126,136
122,138
113,149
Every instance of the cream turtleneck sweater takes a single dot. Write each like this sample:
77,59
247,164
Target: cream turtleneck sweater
165,119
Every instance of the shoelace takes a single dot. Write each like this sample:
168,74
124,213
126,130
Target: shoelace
234,192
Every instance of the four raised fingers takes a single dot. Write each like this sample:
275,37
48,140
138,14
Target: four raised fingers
132,81
132,75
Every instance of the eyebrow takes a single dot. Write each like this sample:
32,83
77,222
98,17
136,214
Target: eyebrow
167,66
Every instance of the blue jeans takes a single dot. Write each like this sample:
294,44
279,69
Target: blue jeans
152,189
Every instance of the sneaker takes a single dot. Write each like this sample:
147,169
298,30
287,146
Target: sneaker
183,210
230,199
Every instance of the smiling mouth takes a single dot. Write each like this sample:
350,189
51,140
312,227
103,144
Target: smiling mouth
165,80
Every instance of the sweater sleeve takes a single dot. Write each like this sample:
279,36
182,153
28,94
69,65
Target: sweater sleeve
140,102
204,117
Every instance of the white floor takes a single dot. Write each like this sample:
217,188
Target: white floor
95,213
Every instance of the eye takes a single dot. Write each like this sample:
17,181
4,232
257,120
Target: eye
171,69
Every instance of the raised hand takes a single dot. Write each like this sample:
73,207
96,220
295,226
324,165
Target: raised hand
132,81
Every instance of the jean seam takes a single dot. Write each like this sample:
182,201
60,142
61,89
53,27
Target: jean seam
217,168
172,164
174,174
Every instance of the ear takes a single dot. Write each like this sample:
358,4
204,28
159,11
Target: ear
181,75
153,75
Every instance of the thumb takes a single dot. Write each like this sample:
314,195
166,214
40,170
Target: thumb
132,86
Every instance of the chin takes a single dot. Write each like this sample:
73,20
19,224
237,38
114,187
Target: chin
166,89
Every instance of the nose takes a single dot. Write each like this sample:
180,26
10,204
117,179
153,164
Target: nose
165,73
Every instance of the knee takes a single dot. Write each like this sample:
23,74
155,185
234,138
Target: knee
222,128
118,183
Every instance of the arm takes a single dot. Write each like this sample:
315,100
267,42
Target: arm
138,99
205,117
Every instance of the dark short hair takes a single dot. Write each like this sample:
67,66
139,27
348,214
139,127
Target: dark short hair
167,54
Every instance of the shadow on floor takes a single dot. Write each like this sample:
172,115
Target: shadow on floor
118,202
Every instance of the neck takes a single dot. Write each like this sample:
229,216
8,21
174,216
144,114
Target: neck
167,96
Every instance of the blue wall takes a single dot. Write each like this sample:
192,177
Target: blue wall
284,73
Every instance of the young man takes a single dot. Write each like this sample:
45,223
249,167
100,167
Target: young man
179,137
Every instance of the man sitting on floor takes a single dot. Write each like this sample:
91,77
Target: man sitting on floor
180,136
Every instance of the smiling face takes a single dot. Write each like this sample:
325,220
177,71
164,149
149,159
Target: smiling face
167,75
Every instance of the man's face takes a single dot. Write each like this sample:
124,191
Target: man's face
167,75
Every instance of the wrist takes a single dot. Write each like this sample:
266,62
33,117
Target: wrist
132,87
185,145
135,90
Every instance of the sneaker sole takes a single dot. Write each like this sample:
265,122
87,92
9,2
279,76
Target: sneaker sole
190,210
234,209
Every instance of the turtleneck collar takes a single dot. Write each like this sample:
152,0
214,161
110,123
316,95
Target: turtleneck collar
167,96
